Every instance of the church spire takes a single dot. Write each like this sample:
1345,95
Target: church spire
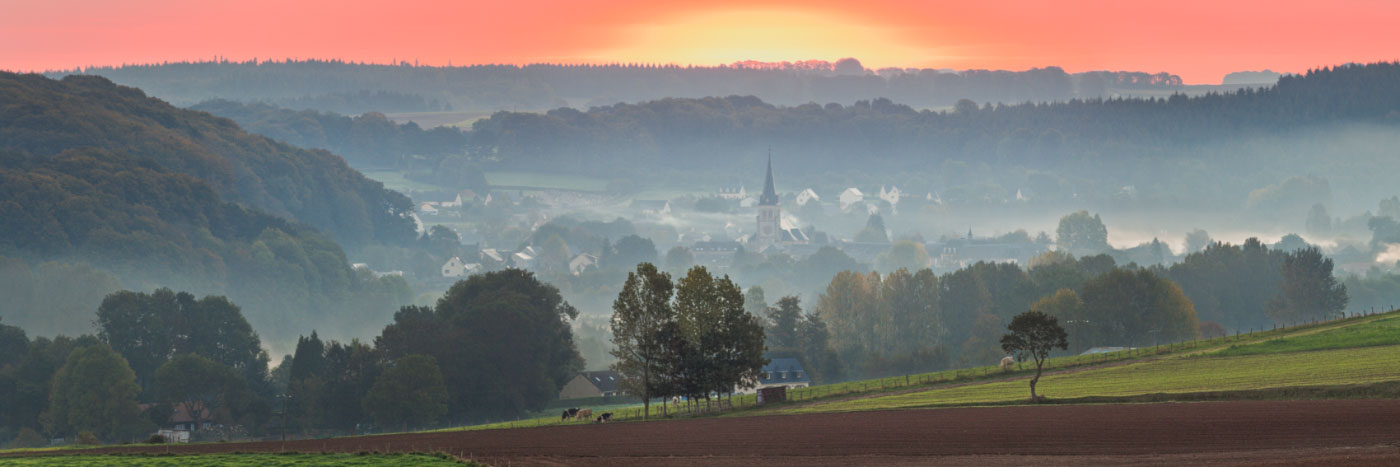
770,195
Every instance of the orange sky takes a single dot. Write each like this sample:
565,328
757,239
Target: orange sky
1197,39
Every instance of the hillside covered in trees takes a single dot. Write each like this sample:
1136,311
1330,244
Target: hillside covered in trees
102,188
1167,148
44,117
355,88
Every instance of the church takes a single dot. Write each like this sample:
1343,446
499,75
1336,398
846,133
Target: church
771,232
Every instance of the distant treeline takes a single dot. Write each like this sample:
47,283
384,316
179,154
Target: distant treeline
370,139
354,88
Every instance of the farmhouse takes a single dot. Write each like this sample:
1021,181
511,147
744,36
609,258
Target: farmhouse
456,268
850,197
779,372
592,384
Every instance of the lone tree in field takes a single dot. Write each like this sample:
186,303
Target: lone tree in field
1034,333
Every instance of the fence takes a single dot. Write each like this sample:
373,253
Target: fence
913,381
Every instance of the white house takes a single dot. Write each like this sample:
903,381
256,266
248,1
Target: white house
850,197
806,196
890,196
733,193
456,268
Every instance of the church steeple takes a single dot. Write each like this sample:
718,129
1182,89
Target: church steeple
770,195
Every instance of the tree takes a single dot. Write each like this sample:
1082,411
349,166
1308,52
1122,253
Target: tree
784,321
1136,307
640,314
1034,334
1309,289
149,329
201,386
501,339
410,393
874,231
627,253
1319,222
1080,233
95,390
1064,305
679,258
904,254
1197,240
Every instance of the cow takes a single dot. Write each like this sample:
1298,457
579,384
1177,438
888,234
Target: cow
607,416
584,414
569,413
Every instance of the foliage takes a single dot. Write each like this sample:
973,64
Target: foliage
410,393
312,186
889,316
1034,334
502,340
640,315
95,391
201,386
1081,234
133,219
28,438
1128,308
150,329
1231,284
904,254
1064,305
1310,291
370,139
874,231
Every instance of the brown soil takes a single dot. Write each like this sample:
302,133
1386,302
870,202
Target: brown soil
1333,432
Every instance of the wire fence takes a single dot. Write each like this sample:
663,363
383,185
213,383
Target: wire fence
724,403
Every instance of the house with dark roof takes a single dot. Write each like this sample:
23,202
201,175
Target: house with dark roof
779,372
592,384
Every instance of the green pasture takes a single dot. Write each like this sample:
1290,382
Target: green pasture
260,460
1382,331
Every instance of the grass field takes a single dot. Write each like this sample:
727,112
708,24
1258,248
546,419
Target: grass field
1383,331
260,460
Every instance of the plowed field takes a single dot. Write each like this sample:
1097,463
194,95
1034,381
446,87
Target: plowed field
1335,432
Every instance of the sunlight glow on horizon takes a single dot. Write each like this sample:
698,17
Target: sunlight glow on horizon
1199,40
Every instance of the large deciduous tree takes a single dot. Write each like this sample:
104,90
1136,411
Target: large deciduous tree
1309,290
410,393
95,391
1136,307
641,314
1034,334
1081,233
502,340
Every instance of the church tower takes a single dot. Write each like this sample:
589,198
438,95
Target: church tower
769,230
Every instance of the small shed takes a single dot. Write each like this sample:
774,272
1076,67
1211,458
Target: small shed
772,394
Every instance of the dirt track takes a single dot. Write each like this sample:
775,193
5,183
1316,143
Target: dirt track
1336,432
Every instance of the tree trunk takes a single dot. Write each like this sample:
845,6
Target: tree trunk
1038,365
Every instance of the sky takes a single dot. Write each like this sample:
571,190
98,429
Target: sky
1197,39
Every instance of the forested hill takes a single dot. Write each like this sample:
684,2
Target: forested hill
355,88
114,220
700,133
45,117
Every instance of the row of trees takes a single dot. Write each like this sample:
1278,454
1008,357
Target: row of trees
690,338
907,321
495,346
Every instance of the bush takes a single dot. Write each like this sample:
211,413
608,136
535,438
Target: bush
87,438
155,439
28,438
